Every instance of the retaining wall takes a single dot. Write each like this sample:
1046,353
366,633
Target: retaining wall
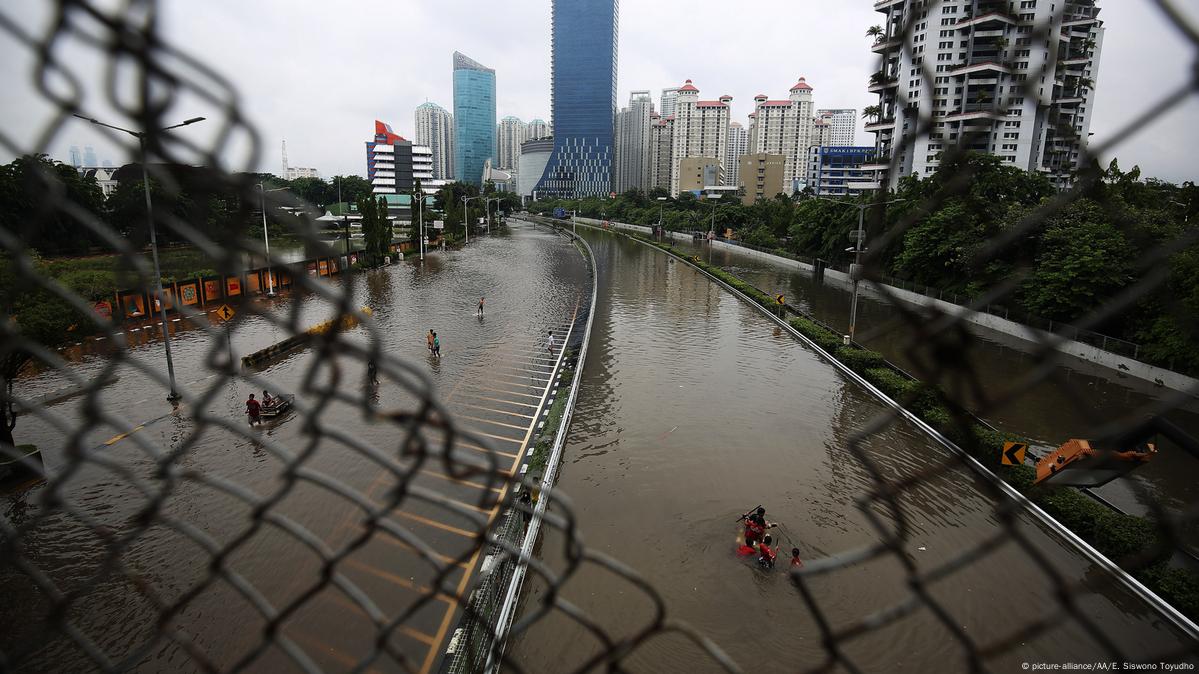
1085,352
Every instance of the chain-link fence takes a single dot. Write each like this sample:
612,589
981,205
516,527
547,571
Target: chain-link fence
131,555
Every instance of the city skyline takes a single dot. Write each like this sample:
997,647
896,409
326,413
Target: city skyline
1139,63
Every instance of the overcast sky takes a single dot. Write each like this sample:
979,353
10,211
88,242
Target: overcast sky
319,74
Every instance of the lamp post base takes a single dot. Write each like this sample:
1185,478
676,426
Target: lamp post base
174,397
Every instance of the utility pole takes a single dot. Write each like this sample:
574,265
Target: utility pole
855,272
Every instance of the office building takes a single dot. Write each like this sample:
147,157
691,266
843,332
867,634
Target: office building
738,144
701,129
538,128
695,173
837,170
785,127
843,124
76,156
435,130
534,155
474,118
511,133
89,156
667,101
295,172
583,52
633,143
1013,79
761,176
394,164
661,151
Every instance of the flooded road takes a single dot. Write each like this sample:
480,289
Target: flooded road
1074,400
693,409
231,531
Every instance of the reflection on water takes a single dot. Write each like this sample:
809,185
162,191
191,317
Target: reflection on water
693,411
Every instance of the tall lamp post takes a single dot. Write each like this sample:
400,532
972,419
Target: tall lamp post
345,223
420,218
661,207
465,222
855,272
266,240
173,395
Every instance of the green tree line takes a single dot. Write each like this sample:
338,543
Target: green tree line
977,223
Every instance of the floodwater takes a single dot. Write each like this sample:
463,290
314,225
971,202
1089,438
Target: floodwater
207,477
1074,400
694,408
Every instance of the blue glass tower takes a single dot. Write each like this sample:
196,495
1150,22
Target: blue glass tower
583,69
474,118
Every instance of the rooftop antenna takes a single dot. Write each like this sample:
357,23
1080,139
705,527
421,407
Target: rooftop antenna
284,176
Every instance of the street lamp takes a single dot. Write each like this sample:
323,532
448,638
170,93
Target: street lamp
345,223
465,222
488,206
420,217
855,271
173,395
661,207
270,278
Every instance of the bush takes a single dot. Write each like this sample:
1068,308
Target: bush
824,338
861,360
895,385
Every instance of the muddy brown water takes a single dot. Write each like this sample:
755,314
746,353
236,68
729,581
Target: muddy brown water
693,409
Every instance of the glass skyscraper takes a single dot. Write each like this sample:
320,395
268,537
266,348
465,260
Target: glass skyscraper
474,118
583,69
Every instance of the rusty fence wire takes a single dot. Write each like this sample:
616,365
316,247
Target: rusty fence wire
115,598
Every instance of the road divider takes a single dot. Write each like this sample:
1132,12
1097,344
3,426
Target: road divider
345,322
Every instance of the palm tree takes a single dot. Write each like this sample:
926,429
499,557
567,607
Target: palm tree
874,32
871,112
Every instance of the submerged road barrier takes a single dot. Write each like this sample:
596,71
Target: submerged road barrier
345,322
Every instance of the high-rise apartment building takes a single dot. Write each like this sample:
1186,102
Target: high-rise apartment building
539,129
842,123
701,129
661,151
583,67
633,143
738,144
391,163
785,127
1013,79
474,118
511,133
667,101
435,130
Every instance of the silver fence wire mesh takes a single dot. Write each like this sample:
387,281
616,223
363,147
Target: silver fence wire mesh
120,602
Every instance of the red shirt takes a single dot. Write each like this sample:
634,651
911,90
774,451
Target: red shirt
745,550
253,408
754,530
796,562
767,555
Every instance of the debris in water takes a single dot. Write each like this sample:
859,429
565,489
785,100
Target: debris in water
921,548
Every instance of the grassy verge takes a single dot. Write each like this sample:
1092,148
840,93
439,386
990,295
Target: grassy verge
1133,542
553,422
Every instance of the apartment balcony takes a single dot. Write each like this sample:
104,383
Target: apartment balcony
883,85
990,20
972,67
883,5
1070,99
886,44
881,125
1079,22
876,165
974,111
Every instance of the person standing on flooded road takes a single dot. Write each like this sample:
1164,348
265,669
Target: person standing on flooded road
481,307
549,343
436,346
429,339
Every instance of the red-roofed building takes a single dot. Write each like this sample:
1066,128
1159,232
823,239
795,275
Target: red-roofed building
699,129
787,128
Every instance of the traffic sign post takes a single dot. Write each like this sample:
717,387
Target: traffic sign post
225,312
1013,453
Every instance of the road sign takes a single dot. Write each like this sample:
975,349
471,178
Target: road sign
1013,453
780,299
225,312
439,224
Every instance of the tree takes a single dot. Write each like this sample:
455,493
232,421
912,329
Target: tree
353,188
36,194
871,112
313,190
874,32
376,228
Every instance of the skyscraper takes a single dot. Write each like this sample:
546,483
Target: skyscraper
669,96
842,124
89,156
633,143
737,146
511,133
435,129
474,118
539,129
1016,80
701,129
76,156
785,127
583,67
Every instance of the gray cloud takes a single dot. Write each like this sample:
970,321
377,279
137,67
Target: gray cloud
318,76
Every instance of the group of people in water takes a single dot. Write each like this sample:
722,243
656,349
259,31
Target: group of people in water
254,407
761,544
